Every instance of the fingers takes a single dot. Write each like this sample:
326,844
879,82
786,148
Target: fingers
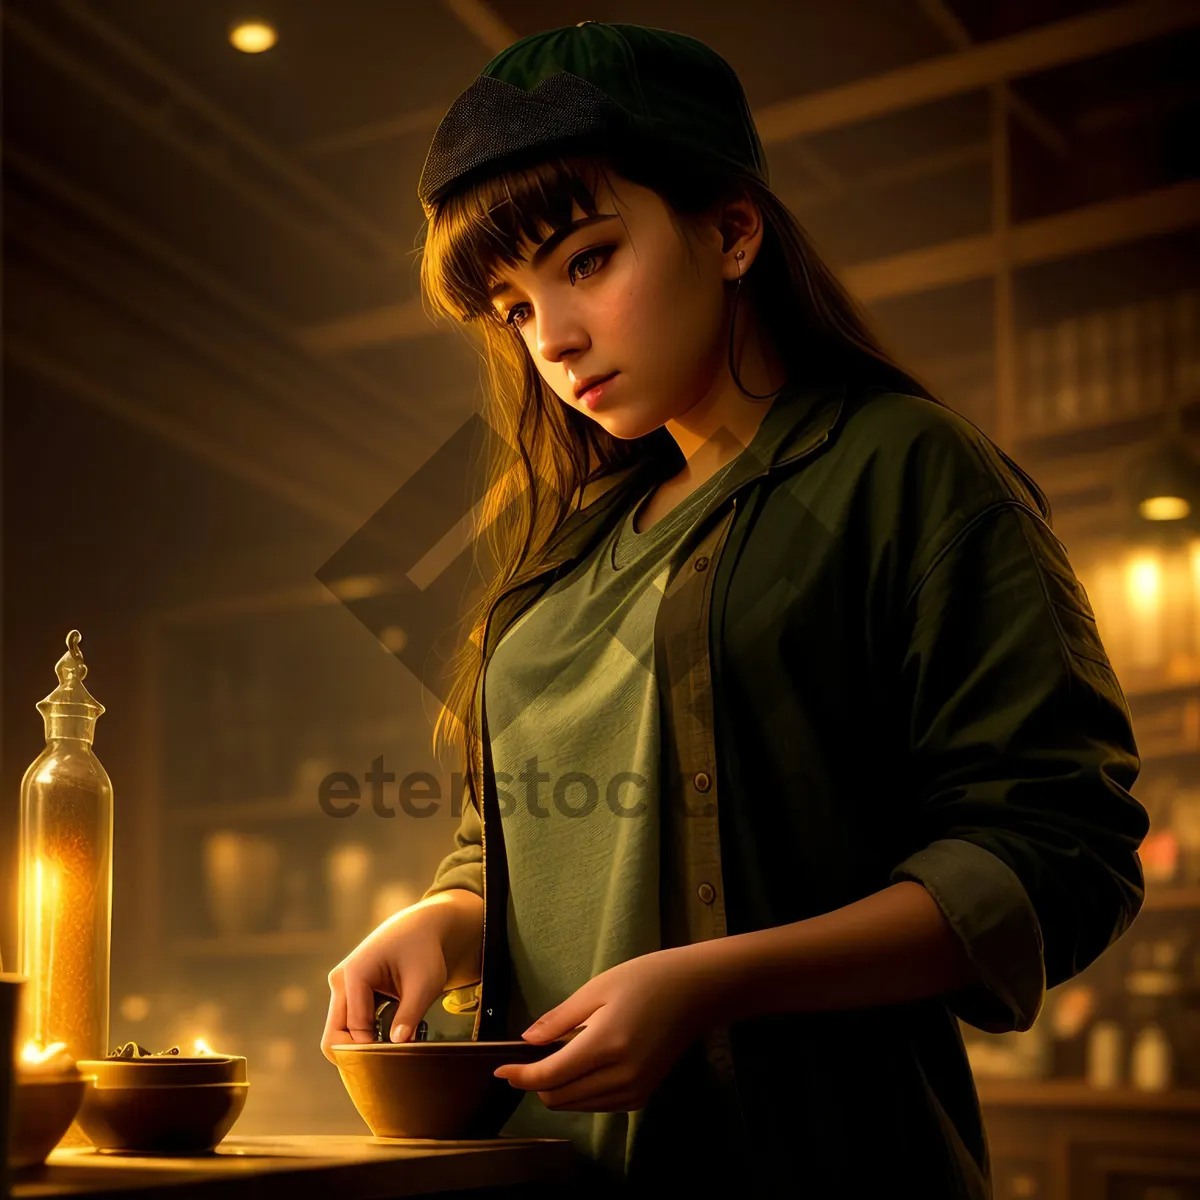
575,1060
600,1091
336,1032
414,1001
360,1007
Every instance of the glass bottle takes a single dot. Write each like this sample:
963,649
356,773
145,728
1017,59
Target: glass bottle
65,873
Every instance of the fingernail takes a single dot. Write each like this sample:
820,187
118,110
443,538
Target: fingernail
401,1032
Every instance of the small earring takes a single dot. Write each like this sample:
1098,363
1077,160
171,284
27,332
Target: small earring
739,256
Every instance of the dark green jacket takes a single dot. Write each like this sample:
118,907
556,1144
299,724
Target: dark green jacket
875,663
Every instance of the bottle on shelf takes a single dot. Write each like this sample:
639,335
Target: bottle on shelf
1106,1053
65,857
1039,394
1108,1038
1127,361
1067,408
1185,825
1072,1008
1156,371
1097,363
1152,985
1187,1036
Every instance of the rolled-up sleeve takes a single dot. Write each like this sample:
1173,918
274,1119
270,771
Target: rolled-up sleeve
463,866
1023,754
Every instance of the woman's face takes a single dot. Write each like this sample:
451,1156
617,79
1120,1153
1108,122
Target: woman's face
624,295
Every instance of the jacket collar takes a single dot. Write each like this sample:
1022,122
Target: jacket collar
798,421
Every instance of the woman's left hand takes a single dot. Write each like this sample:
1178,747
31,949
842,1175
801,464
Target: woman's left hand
640,1016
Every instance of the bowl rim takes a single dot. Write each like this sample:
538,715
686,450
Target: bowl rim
173,1060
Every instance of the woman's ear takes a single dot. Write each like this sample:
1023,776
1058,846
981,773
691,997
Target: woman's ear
741,227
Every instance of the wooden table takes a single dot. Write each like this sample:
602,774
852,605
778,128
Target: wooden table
340,1168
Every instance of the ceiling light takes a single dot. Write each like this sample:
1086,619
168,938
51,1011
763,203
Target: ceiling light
253,37
1164,489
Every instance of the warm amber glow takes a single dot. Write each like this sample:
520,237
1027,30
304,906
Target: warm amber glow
201,1047
357,587
135,1008
253,37
43,1060
1147,604
46,901
1164,508
1145,583
32,1053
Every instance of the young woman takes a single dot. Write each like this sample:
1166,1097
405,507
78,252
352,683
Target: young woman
791,739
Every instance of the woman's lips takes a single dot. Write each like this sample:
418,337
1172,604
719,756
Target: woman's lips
595,394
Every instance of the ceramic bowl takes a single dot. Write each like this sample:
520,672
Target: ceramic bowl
161,1118
43,1108
434,1089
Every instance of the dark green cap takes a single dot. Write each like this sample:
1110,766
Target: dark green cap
587,84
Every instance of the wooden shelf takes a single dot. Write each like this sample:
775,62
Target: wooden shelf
1165,898
1076,1093
1160,750
1151,687
1028,438
251,945
252,812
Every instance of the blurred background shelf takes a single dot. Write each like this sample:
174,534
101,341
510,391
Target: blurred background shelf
252,812
1163,898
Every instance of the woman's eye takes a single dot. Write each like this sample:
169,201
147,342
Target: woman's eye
600,254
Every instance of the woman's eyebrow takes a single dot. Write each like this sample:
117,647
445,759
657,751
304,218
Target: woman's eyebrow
550,244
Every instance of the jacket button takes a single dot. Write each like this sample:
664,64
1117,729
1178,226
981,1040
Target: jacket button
706,892
702,782
701,563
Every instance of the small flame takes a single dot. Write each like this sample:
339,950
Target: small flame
202,1047
34,1057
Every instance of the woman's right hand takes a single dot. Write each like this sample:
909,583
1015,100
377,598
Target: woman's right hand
403,957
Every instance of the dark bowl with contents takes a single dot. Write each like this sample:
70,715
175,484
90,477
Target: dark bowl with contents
436,1090
162,1103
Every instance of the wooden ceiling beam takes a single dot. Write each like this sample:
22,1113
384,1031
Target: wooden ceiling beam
940,14
1080,231
1039,49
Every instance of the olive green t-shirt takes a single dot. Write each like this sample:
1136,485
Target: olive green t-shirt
573,722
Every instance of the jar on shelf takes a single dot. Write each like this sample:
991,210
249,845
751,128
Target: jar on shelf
1128,361
1185,824
1156,368
1039,380
1097,363
1067,406
1153,988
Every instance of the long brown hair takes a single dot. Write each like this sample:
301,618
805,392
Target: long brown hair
815,326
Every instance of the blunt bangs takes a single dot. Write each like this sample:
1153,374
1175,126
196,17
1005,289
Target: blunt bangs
477,232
